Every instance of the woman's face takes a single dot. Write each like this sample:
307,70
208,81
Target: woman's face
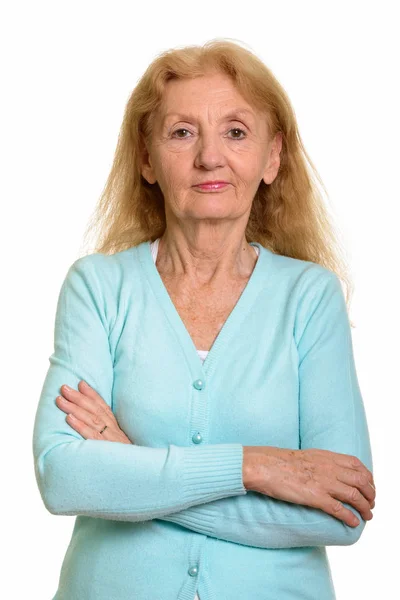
200,135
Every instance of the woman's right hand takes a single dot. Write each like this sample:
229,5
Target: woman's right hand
312,477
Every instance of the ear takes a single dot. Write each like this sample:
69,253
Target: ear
274,161
146,166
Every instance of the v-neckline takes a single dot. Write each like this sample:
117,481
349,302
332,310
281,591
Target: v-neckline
257,280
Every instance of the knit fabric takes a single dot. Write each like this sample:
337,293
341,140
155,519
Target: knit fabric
168,515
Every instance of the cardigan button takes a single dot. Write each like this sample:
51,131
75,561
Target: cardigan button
196,438
193,571
198,384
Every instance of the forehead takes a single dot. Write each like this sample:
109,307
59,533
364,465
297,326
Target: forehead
215,94
187,115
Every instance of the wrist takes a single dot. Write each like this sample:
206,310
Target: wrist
249,467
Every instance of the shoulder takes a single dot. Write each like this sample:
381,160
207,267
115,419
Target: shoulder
103,264
301,276
304,288
107,272
108,280
313,292
103,282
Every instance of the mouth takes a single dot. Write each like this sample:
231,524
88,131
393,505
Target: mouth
211,187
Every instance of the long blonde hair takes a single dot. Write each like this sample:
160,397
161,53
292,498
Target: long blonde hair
288,216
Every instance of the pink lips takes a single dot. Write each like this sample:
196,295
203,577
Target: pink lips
212,186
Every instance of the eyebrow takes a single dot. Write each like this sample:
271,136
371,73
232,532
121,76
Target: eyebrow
242,112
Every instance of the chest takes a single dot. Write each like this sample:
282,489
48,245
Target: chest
204,313
247,388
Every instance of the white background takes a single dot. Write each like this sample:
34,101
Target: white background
68,69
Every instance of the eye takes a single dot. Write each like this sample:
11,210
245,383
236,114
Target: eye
241,130
176,131
233,129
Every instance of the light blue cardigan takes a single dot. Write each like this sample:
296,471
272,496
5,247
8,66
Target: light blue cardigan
169,515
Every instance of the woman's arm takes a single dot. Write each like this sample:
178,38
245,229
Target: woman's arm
332,417
112,480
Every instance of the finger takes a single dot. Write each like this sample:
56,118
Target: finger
353,462
358,465
87,390
93,421
90,392
359,480
83,429
334,507
352,495
329,503
88,403
373,501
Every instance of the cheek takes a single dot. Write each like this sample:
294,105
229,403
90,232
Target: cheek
166,173
178,171
175,178
247,171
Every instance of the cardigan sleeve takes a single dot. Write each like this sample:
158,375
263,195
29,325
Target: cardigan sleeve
112,480
332,417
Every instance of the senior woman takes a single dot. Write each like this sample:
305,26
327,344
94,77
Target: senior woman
212,440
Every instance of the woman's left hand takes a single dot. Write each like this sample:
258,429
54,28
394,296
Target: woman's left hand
88,414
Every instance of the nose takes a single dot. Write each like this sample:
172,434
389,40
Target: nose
210,151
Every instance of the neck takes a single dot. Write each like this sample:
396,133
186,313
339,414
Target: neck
205,263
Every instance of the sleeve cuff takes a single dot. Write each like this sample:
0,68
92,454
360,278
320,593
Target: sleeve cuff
210,472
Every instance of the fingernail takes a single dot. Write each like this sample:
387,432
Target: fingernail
66,387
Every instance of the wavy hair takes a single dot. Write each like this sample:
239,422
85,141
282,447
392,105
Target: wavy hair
288,216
